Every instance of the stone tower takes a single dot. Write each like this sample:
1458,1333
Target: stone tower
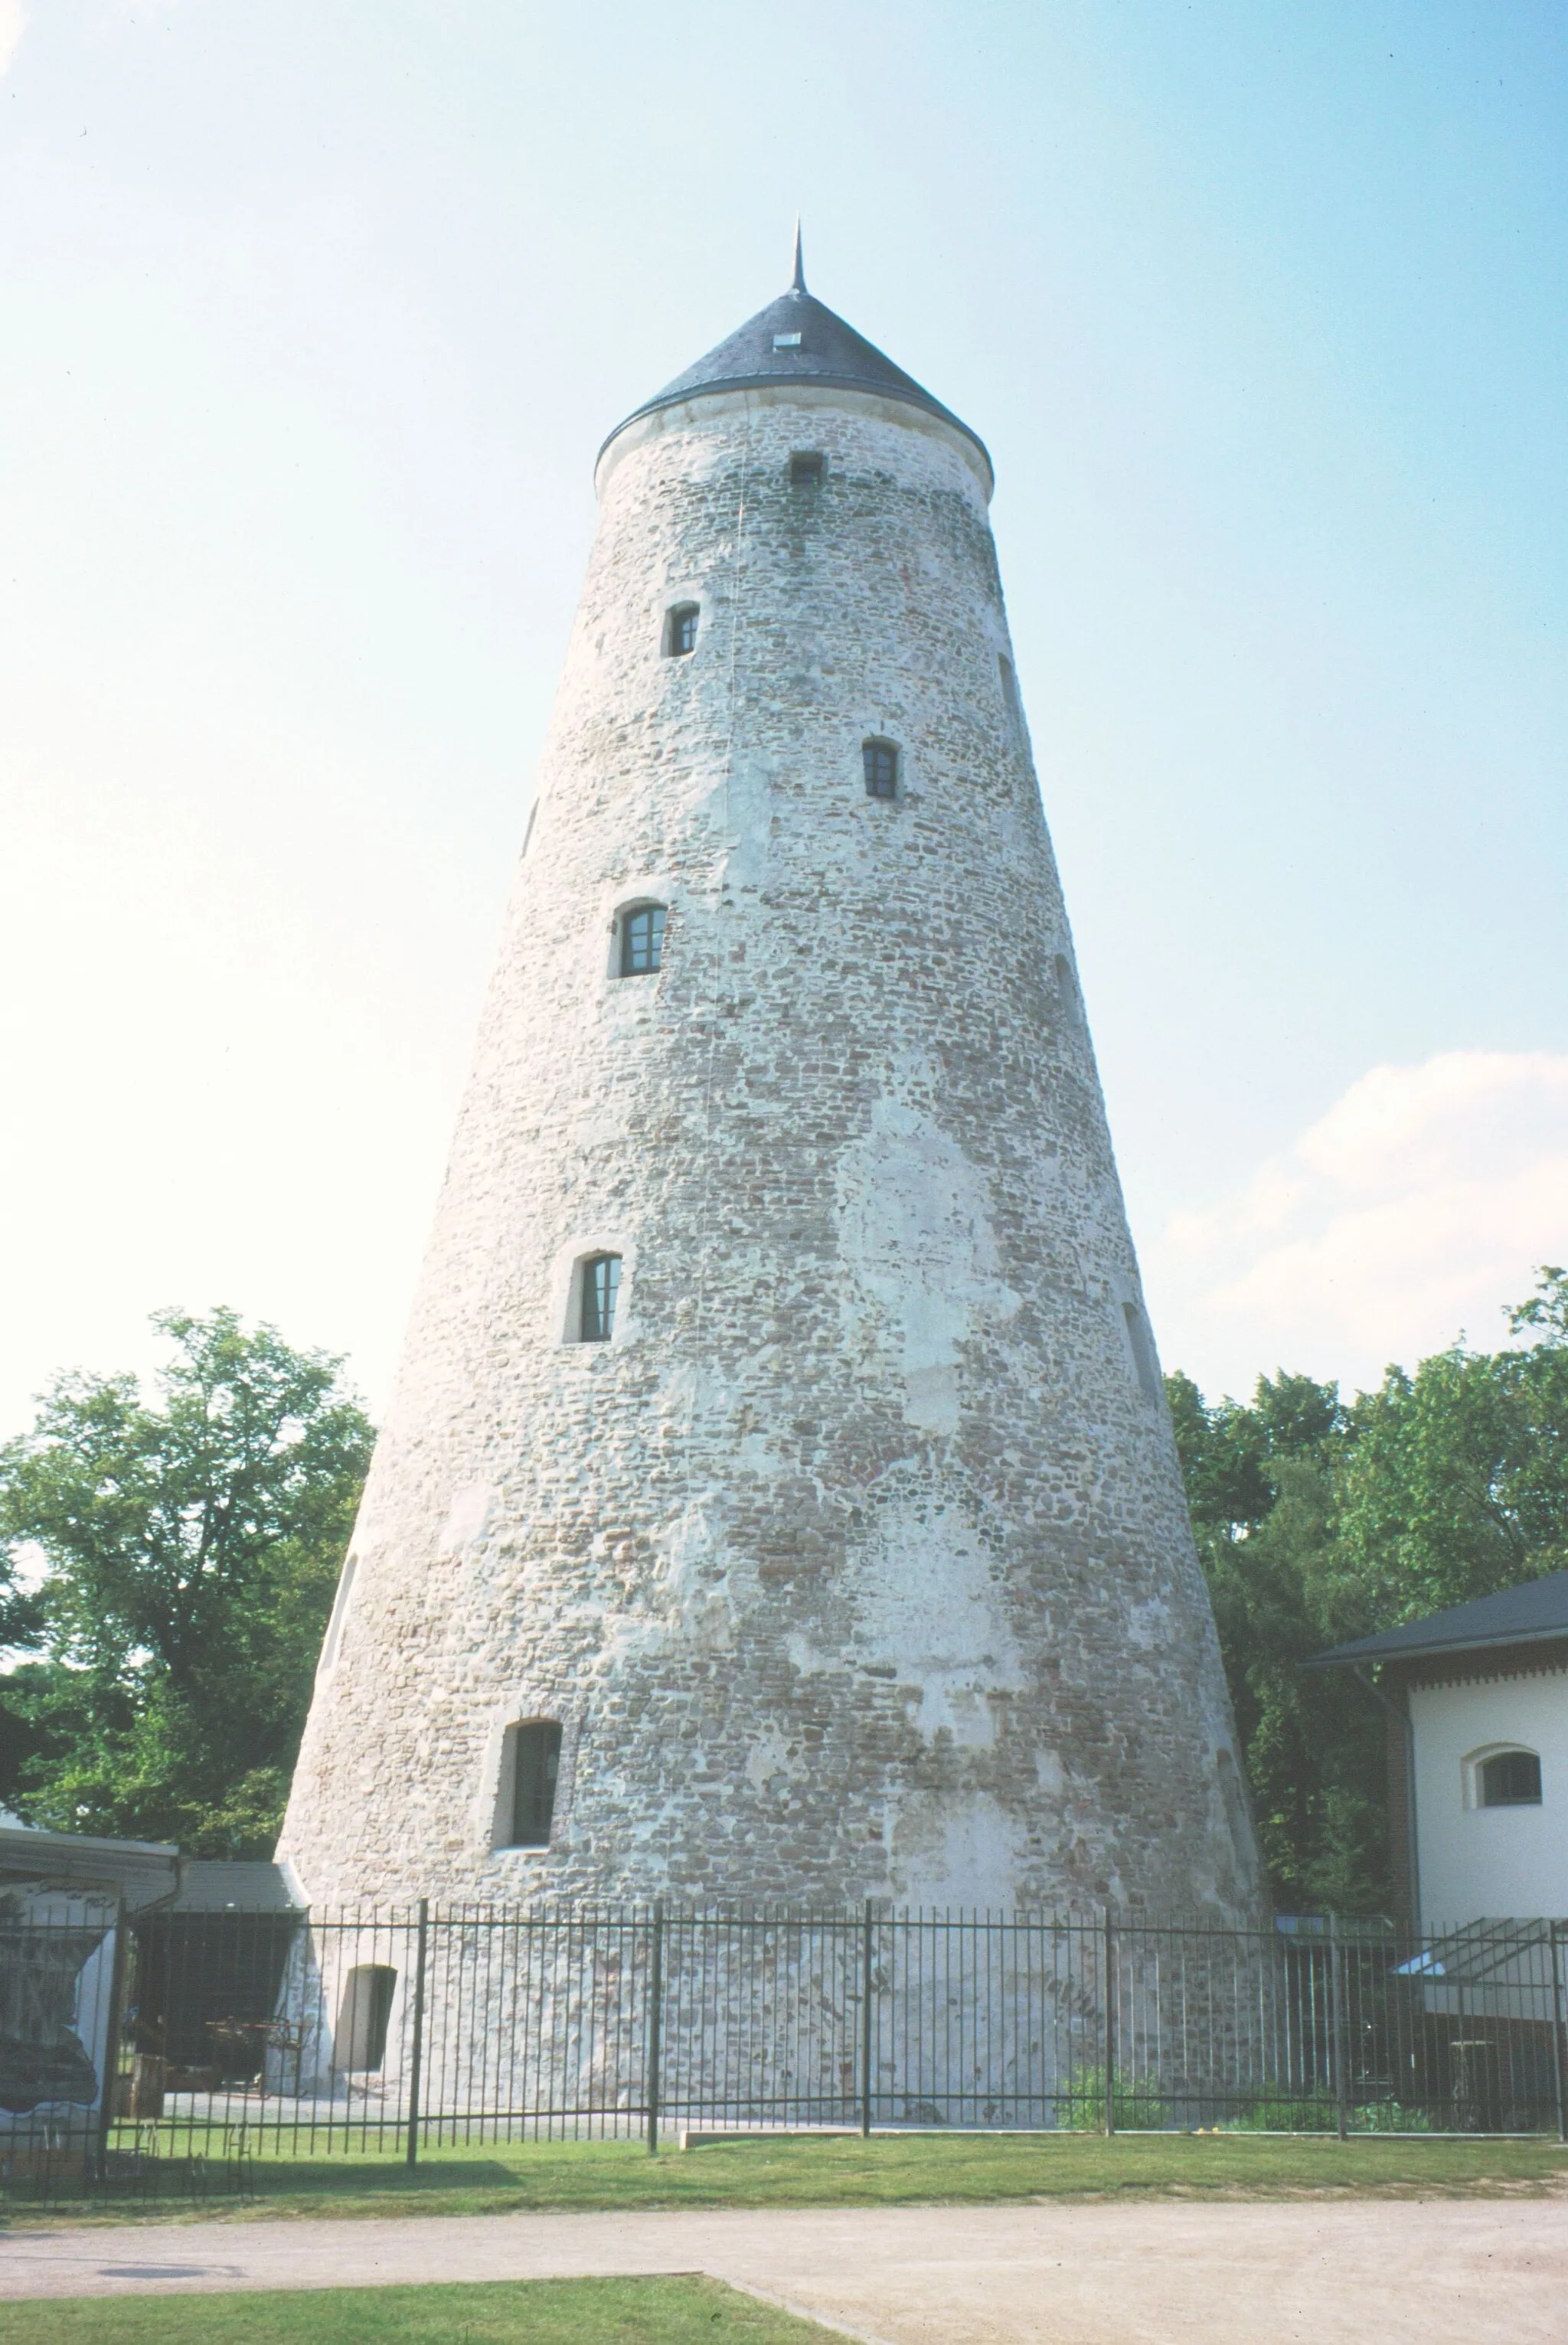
778,1500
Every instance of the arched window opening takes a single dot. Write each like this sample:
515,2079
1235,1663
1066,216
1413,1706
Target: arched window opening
1009,682
359,2039
601,1287
1511,1779
680,630
531,1768
881,761
806,470
642,941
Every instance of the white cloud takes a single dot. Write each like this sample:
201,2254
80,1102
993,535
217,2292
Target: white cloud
12,25
1417,1207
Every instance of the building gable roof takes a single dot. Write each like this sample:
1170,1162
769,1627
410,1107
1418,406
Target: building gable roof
1527,1615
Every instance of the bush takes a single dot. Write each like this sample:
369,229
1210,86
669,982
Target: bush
1134,2108
1316,2113
1391,2116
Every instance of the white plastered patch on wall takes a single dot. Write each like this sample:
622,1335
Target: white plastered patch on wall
926,1604
914,1229
467,1517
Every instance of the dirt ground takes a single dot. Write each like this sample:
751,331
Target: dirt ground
1430,2272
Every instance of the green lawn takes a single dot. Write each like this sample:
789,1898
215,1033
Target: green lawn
511,2312
888,2171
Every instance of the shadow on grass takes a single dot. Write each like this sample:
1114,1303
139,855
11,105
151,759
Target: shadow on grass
353,2178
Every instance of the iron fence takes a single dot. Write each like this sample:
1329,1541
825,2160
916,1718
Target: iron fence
203,2041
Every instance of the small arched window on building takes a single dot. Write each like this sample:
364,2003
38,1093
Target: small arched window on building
642,941
359,2039
531,1767
881,763
601,1277
806,470
1510,1778
680,630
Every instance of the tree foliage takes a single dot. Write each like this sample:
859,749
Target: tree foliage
189,1546
166,1567
1319,1520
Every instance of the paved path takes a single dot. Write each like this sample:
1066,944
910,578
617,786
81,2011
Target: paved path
1431,2272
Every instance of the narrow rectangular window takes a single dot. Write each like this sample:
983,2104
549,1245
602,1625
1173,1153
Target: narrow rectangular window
360,2040
881,761
340,1614
1142,1349
536,1766
642,941
680,630
601,1285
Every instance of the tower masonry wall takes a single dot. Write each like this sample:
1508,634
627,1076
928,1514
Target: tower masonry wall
857,1563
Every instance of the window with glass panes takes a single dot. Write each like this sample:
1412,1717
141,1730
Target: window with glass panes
601,1284
880,760
680,631
1511,1779
642,941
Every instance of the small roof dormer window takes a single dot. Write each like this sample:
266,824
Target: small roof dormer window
785,341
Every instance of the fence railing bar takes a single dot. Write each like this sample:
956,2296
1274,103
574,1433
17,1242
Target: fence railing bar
261,2028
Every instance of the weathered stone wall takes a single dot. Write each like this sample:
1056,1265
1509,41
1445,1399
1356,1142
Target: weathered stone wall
857,1564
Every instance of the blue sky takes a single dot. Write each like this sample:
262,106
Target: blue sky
314,316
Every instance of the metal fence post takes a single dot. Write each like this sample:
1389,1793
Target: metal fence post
416,2057
1110,2042
656,2023
1337,2028
866,2022
1559,2032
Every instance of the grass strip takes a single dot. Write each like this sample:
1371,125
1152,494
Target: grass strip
890,2170
658,2311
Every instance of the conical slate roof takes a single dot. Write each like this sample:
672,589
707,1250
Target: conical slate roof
798,338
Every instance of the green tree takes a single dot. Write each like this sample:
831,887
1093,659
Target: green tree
1319,1521
189,1546
1260,1481
1457,1484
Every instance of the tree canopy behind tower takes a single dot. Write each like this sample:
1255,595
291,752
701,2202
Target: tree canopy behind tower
167,1569
169,1565
1319,1520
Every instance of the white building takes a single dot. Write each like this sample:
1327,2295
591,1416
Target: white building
1478,1754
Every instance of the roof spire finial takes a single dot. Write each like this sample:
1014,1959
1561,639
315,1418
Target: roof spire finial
798,283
